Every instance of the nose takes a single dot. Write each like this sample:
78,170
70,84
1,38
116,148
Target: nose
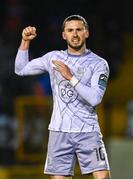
75,33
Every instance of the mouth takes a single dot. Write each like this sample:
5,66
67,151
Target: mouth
75,40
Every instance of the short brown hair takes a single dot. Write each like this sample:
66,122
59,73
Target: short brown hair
75,17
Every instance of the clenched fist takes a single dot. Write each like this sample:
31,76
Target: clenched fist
29,33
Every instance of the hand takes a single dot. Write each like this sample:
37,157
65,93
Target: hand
63,69
29,33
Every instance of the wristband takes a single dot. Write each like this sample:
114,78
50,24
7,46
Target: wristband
74,81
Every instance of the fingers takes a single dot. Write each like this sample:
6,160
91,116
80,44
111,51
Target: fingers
29,33
62,68
59,66
29,30
58,63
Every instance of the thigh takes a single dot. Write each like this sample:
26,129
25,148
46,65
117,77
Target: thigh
60,156
91,153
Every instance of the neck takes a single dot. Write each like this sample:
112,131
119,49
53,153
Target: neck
76,51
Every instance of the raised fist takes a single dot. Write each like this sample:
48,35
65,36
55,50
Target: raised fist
29,33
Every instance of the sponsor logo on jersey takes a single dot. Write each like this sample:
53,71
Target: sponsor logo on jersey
67,92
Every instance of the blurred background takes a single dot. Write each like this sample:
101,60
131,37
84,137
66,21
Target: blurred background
25,102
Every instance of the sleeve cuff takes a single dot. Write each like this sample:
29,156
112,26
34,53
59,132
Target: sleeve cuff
74,81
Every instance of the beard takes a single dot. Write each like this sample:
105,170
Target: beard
75,47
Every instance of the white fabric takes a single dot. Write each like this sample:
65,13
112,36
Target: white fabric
73,107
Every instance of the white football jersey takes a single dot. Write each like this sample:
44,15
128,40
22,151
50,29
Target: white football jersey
74,108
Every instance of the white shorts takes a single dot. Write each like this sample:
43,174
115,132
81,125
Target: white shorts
63,148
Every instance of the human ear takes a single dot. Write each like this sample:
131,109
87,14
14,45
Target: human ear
63,36
87,34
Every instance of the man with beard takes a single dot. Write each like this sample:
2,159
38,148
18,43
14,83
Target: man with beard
78,79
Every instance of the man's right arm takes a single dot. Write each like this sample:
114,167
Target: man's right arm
23,66
28,34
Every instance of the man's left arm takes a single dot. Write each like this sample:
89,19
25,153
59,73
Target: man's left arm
92,94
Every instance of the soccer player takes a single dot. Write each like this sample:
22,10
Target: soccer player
78,79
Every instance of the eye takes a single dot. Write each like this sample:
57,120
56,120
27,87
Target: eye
70,30
79,29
